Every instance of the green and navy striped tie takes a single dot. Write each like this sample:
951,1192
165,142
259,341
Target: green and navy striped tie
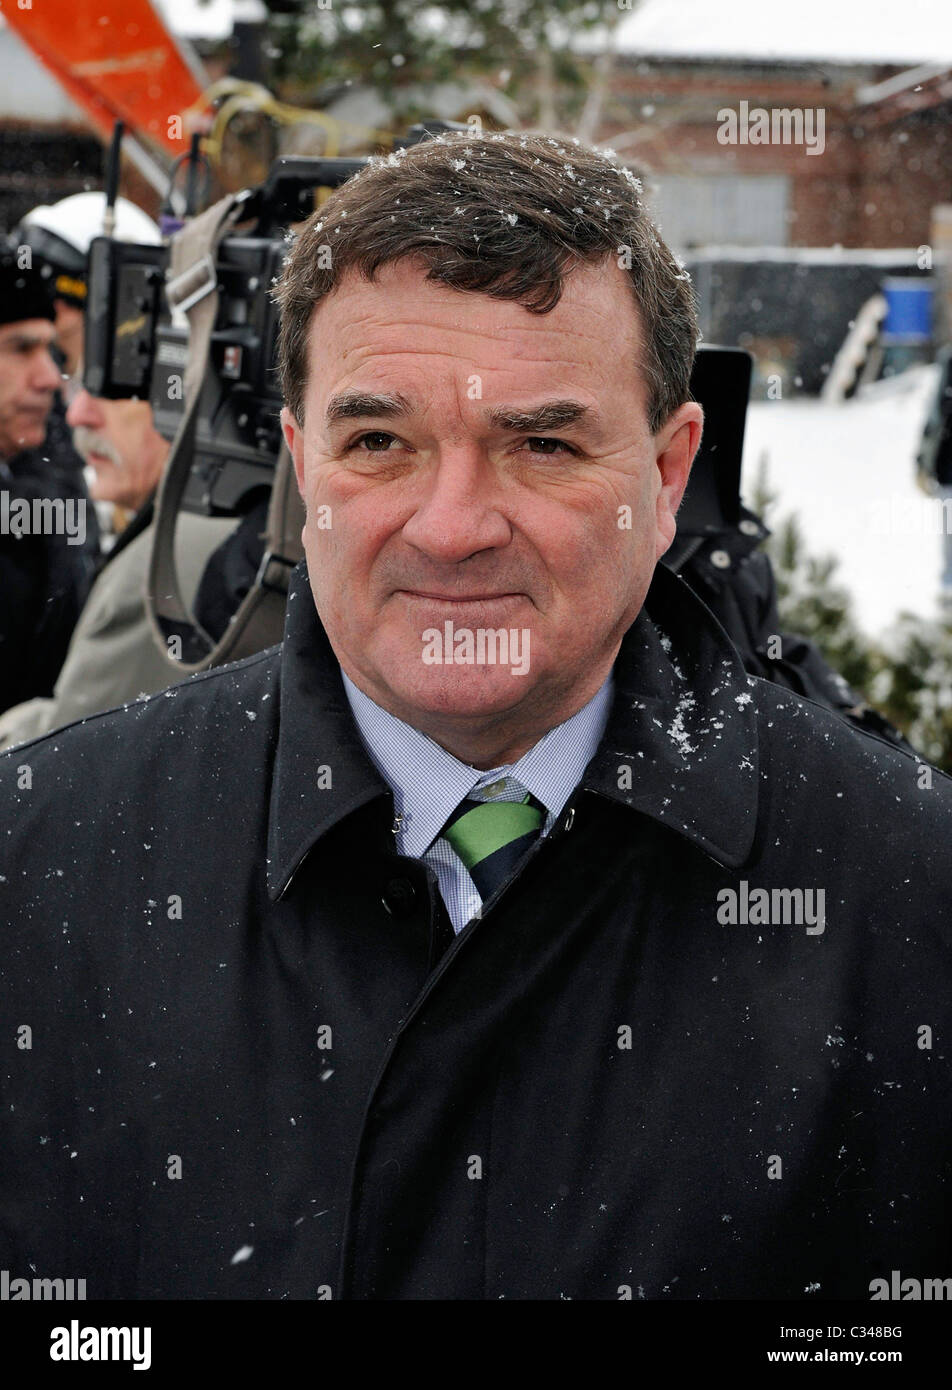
491,837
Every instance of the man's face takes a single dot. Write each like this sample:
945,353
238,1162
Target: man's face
117,440
437,507
28,378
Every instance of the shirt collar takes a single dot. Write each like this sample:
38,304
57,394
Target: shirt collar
680,743
428,783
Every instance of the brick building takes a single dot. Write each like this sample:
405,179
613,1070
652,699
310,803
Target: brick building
879,74
797,160
873,183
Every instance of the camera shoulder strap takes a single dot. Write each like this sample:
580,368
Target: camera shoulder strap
192,288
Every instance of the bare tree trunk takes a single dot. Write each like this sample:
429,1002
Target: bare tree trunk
602,68
591,114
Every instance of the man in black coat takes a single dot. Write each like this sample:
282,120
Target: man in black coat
496,936
42,577
54,469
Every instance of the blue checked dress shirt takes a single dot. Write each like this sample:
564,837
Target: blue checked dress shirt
428,783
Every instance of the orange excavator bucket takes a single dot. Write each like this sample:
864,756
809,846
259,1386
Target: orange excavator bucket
117,61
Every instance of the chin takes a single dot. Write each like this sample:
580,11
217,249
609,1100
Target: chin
466,691
30,439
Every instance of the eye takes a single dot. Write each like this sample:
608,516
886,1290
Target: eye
374,435
378,442
544,441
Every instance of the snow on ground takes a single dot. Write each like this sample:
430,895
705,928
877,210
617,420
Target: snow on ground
848,471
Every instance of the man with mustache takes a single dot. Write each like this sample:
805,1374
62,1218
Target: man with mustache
117,440
113,657
404,960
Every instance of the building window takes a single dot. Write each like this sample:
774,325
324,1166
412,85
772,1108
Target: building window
722,209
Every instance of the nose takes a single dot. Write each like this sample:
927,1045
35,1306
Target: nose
46,376
84,410
460,514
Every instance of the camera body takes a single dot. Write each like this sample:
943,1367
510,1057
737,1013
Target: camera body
238,434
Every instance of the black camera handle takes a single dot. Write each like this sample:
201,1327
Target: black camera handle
192,289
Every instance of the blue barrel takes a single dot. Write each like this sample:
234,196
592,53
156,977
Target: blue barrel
908,309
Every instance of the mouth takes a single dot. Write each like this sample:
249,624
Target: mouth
456,598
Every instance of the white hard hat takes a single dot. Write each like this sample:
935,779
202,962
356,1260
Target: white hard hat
61,233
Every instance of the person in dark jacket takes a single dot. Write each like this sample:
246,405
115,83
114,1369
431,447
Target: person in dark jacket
54,469
57,239
38,612
581,964
42,583
113,655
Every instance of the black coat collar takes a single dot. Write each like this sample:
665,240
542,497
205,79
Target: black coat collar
683,720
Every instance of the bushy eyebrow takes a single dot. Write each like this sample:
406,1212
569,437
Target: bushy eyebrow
26,341
355,405
553,415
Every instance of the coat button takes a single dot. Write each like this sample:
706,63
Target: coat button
720,559
749,528
399,897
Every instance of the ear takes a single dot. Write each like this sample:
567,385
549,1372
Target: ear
294,438
676,444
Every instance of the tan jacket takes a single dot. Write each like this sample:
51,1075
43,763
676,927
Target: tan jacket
112,656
